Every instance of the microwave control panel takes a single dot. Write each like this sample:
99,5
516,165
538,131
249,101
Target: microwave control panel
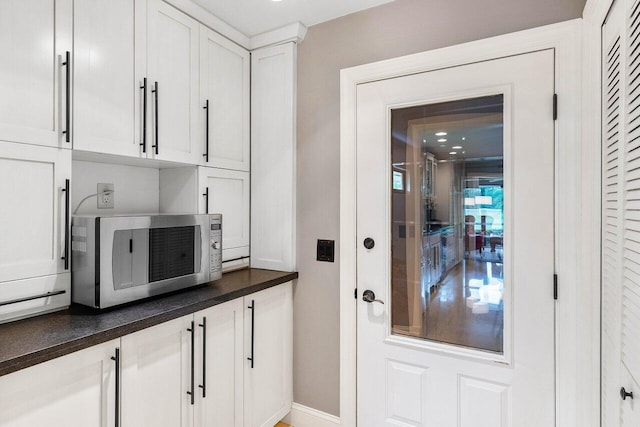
215,247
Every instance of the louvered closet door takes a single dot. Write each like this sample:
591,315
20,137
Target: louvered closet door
621,214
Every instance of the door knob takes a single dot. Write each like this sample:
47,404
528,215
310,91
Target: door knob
370,296
624,394
369,243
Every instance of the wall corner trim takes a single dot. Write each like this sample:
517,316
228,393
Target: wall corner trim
303,416
289,33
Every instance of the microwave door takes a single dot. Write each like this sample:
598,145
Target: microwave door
140,255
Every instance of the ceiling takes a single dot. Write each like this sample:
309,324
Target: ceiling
252,17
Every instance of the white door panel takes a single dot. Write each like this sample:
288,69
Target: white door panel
460,383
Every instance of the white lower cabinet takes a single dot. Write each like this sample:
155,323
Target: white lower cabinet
77,390
156,376
237,366
268,380
220,365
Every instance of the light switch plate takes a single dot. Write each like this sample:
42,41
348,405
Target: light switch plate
106,196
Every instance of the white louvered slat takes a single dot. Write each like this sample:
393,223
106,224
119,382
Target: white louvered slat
613,156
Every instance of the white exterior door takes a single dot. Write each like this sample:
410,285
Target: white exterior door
172,52
477,347
34,38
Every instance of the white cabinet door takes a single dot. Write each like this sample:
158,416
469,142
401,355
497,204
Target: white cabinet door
77,390
172,53
228,194
34,38
109,67
33,210
224,90
156,375
268,342
220,362
273,157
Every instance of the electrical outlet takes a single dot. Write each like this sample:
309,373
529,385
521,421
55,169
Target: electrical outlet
106,196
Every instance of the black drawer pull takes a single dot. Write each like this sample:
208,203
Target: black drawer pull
193,349
67,197
203,386
15,301
252,307
116,359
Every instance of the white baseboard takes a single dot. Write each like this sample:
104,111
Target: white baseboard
303,416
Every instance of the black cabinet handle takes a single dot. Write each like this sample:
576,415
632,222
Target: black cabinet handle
624,394
252,307
193,348
206,132
203,386
67,64
144,115
45,295
65,255
206,200
116,359
155,91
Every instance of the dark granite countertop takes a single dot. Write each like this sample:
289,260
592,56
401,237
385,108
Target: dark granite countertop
27,342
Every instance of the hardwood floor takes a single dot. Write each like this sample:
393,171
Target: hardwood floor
281,424
447,318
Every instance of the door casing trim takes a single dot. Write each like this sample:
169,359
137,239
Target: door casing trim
577,319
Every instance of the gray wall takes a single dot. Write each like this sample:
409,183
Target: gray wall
395,29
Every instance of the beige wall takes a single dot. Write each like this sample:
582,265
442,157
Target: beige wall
395,29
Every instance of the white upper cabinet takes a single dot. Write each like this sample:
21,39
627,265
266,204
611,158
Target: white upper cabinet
34,38
109,67
77,390
173,73
227,192
224,96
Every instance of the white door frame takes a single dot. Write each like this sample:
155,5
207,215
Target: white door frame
577,213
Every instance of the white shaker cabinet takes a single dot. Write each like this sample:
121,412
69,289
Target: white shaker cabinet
173,78
228,192
77,390
225,101
268,382
273,157
35,36
220,361
109,69
156,376
33,184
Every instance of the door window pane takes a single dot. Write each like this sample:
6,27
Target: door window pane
447,217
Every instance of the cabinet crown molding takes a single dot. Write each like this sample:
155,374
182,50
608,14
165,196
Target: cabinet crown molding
289,33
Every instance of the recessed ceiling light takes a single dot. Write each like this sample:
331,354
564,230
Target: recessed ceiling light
424,140
442,140
463,138
453,152
457,147
441,133
442,145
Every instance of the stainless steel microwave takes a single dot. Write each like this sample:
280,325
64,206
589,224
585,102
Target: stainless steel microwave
119,259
